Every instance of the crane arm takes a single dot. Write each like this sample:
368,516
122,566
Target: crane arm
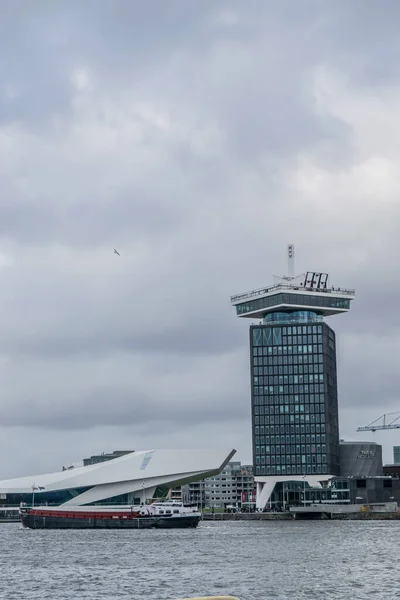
386,421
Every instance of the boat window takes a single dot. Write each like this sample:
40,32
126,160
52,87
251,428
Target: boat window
161,512
176,512
167,512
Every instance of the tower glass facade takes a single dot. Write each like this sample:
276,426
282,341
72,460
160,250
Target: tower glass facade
294,395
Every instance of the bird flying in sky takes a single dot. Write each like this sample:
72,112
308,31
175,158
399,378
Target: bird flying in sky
116,252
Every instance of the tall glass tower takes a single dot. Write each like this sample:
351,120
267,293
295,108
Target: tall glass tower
295,430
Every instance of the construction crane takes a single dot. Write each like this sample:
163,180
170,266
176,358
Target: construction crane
388,421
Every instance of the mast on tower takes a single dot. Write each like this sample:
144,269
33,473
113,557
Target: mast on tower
290,249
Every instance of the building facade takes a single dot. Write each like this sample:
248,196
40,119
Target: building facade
360,459
233,486
294,399
396,455
343,490
392,471
361,480
295,423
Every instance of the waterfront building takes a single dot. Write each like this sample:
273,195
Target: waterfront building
295,425
340,490
234,486
392,470
130,479
360,459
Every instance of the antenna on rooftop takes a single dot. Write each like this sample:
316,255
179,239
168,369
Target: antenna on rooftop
290,249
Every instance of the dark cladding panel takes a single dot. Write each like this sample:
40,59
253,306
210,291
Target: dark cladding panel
358,459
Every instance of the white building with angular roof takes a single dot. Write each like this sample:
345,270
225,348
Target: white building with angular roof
125,480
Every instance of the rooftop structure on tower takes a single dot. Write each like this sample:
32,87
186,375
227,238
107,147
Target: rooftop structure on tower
309,292
293,379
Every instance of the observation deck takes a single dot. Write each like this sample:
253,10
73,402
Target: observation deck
307,292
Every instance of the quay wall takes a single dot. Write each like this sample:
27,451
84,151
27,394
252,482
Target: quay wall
355,516
246,516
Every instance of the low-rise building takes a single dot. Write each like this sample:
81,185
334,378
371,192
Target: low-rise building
392,471
338,490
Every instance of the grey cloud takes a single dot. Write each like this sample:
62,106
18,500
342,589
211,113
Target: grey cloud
142,390
120,216
117,406
205,337
146,348
32,71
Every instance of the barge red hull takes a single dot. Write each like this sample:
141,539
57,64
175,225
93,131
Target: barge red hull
52,519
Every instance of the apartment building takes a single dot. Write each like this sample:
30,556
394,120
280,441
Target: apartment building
234,486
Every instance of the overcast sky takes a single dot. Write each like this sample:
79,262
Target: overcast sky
198,138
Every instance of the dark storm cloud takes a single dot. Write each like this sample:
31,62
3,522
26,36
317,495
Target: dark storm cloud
198,138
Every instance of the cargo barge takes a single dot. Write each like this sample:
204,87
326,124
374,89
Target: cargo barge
159,515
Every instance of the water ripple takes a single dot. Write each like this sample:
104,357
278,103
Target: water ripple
252,560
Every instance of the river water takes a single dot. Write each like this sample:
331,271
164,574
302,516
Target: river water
253,560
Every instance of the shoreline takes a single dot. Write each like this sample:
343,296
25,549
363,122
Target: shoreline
359,516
